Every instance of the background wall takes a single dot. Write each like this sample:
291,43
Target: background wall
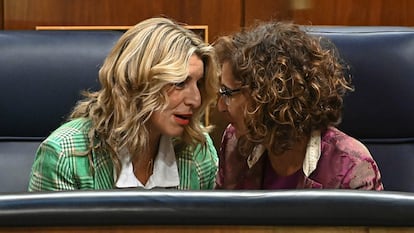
221,16
27,14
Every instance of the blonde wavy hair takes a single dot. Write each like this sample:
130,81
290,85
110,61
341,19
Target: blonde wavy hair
135,76
294,84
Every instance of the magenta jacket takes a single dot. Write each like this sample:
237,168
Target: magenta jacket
334,161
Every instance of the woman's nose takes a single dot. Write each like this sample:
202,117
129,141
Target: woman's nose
221,105
193,97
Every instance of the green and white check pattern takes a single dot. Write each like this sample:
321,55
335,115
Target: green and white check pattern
61,163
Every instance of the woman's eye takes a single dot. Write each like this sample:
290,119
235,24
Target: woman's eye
180,85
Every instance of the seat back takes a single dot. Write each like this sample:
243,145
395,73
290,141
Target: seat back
42,74
380,110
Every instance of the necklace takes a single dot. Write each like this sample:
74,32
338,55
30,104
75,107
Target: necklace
143,172
150,167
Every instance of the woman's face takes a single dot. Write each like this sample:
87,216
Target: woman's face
184,99
236,102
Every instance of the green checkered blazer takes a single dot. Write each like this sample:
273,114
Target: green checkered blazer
58,165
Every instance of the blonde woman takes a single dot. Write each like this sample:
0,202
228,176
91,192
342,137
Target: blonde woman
143,127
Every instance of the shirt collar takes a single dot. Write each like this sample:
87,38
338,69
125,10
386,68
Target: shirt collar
313,153
165,172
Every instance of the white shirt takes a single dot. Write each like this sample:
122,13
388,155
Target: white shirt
165,173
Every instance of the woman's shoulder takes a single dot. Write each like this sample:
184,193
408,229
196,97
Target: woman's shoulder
357,166
339,142
72,136
199,153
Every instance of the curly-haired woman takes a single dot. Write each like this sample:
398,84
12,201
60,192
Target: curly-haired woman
143,127
282,92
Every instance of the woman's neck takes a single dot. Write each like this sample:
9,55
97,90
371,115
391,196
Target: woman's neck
290,161
143,163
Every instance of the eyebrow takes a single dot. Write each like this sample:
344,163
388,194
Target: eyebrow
194,77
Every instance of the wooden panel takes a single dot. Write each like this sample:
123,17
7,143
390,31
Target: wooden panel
1,15
338,12
201,30
266,10
357,12
220,15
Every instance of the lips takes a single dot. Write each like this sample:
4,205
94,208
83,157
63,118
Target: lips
182,119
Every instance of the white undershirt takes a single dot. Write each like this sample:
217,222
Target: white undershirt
165,172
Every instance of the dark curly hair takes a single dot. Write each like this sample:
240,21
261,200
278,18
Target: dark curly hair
295,84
